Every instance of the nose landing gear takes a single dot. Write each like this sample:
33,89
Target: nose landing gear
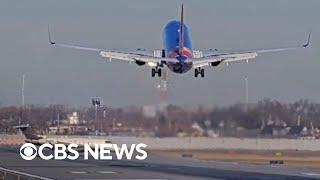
199,71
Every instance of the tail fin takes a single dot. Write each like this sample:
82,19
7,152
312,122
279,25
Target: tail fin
26,132
181,32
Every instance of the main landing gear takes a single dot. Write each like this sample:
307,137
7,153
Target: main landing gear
199,71
156,71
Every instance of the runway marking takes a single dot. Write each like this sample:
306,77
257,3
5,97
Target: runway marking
24,174
311,174
78,172
107,172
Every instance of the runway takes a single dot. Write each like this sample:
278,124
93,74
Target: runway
155,167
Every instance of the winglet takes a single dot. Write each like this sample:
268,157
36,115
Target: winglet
49,36
308,42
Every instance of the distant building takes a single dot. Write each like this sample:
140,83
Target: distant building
273,130
280,131
295,130
73,118
72,125
149,111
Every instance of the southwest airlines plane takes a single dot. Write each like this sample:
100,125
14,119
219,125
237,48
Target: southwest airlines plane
177,54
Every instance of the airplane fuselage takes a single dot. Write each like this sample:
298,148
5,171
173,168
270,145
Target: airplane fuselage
171,45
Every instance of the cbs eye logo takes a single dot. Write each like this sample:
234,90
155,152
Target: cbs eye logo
28,151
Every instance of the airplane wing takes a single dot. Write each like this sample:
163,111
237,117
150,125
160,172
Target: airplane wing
216,59
124,56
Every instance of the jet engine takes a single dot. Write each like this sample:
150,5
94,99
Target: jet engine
216,63
140,63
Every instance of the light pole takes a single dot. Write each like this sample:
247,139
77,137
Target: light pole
246,89
22,90
103,120
58,117
22,98
95,104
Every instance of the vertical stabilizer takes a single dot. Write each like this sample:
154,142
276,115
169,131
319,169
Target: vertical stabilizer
26,132
181,32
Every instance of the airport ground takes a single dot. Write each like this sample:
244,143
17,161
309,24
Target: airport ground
157,166
288,157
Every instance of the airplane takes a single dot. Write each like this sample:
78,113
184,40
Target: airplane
30,137
177,54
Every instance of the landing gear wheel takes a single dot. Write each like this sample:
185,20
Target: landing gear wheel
155,71
159,72
202,73
199,71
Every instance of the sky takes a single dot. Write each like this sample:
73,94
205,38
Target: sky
65,76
